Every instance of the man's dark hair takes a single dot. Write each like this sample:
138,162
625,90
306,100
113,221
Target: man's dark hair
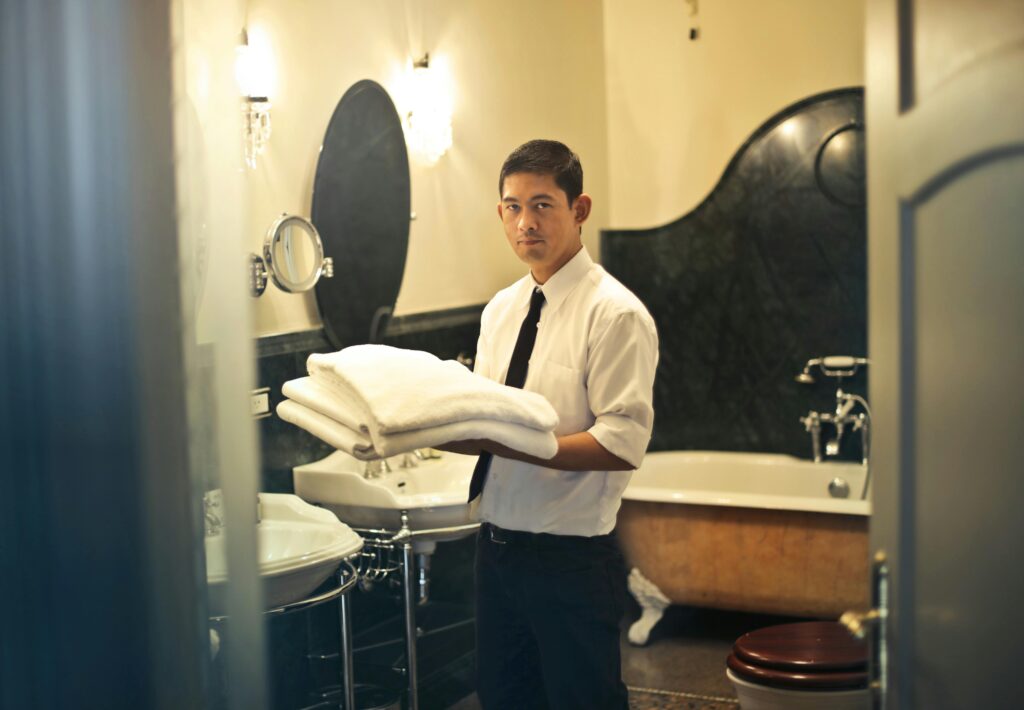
544,157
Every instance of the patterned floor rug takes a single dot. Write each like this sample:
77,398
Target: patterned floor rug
653,699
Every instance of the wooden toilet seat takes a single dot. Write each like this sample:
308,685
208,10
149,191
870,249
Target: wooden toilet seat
818,655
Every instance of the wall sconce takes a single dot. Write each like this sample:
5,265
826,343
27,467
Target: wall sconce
428,118
254,74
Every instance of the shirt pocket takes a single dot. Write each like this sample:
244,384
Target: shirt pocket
564,387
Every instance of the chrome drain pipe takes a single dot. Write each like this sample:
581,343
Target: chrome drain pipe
423,579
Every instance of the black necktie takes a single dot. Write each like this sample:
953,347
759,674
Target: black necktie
516,377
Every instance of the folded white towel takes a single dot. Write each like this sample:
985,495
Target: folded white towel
326,400
401,390
525,439
326,429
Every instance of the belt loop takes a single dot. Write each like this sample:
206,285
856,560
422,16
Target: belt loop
490,534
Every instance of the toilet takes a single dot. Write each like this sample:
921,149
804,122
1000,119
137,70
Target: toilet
813,665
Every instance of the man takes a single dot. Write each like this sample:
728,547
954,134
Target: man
549,575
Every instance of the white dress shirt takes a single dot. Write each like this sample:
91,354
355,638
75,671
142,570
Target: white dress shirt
594,360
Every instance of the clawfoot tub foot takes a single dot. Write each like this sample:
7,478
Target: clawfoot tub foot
652,603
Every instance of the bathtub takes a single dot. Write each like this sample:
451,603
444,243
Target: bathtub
747,532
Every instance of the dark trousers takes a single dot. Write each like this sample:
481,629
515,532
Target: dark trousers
548,611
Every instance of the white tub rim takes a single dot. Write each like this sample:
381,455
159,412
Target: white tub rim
738,499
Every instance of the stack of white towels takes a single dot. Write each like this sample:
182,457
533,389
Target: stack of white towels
375,401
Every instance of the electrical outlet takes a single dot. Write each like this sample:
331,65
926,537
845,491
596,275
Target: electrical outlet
259,402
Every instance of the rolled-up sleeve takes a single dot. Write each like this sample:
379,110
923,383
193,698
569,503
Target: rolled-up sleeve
620,384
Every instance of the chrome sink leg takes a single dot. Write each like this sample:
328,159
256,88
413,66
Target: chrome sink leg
409,589
347,676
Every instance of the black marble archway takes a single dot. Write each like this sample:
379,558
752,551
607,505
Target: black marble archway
768,271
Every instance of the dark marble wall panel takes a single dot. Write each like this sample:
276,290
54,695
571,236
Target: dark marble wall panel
449,334
282,445
768,271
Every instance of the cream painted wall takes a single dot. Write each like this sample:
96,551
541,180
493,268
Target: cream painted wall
531,70
679,109
211,193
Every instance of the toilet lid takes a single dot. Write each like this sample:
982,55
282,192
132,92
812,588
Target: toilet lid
798,680
813,654
807,646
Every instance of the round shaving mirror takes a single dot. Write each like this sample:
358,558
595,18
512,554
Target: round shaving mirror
293,257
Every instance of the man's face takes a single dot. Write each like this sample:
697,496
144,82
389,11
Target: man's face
542,228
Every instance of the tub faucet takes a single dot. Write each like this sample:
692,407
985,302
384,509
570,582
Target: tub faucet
838,367
840,419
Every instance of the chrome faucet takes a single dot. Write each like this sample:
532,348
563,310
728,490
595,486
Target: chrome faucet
375,468
213,516
412,458
213,504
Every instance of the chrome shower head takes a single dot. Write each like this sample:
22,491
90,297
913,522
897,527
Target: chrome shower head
805,378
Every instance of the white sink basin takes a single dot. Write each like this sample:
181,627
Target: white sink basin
434,492
299,545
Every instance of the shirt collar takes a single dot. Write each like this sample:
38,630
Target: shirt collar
561,284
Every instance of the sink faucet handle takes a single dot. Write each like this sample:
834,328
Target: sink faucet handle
812,423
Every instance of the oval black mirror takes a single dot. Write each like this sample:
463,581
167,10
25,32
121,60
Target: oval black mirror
361,209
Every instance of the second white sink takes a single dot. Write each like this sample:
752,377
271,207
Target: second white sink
299,546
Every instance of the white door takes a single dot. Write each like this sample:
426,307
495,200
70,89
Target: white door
945,118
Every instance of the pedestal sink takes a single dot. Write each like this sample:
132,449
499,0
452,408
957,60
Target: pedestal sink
300,545
418,506
433,492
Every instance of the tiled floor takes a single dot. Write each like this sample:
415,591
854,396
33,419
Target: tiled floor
682,667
